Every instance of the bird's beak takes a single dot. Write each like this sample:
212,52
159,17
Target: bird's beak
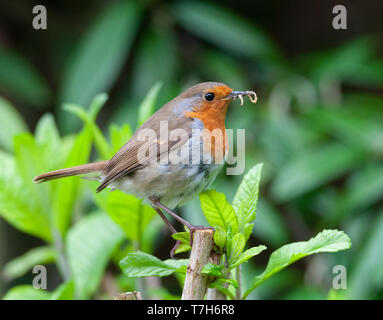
239,95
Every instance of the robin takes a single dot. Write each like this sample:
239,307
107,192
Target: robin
174,155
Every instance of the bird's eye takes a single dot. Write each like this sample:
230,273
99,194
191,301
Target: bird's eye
209,96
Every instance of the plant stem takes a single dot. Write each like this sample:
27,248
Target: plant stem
61,261
139,281
238,278
212,293
137,246
195,282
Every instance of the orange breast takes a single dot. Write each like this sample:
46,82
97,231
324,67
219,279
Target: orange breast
212,115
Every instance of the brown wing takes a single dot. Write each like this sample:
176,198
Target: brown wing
129,157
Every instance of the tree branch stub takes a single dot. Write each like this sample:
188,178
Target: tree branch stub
196,283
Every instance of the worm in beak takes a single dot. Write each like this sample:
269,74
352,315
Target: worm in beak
239,95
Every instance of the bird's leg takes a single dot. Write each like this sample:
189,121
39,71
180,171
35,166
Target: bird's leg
173,214
191,227
172,230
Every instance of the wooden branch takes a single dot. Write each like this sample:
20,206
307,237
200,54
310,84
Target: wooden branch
135,295
196,284
215,294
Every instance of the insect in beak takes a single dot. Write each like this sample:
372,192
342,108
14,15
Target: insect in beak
239,95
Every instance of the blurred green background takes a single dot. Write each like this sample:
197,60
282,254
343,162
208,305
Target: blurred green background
317,126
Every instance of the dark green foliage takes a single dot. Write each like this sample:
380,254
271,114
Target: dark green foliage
317,129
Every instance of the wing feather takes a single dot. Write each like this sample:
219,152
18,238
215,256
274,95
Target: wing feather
128,158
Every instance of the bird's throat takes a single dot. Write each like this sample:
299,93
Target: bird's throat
213,119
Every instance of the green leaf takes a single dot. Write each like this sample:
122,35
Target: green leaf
334,294
68,190
150,236
35,156
64,292
313,169
218,211
18,205
127,211
270,226
26,292
179,264
216,64
351,62
47,149
220,238
366,277
325,241
363,189
89,246
11,123
46,152
146,107
50,152
46,132
27,158
141,264
357,125
21,265
229,239
246,198
100,55
119,136
246,255
97,102
89,118
184,237
220,284
212,269
237,245
282,138
233,282
21,80
216,24
156,45
183,247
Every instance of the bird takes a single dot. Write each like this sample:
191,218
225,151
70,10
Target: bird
173,155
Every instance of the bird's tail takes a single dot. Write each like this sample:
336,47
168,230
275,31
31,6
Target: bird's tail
74,171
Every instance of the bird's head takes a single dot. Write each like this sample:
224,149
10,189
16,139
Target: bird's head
208,101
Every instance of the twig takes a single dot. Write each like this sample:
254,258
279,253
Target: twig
135,295
196,284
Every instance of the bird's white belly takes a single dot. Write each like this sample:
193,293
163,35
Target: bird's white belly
172,183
